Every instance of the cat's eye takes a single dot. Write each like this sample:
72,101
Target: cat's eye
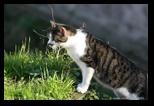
60,34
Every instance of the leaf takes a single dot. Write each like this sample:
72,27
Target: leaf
96,97
91,98
35,72
77,96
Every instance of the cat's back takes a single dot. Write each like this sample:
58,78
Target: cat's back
114,69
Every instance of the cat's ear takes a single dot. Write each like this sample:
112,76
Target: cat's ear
62,30
53,24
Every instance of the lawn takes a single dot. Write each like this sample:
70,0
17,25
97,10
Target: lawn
49,75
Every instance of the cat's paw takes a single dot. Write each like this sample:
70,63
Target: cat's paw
82,89
79,85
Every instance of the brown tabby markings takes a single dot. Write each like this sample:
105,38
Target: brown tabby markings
61,33
113,68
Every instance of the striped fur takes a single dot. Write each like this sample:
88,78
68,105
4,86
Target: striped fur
114,69
93,56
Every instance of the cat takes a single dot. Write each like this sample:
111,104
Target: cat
97,59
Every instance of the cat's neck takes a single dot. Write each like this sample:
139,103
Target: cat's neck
75,41
76,44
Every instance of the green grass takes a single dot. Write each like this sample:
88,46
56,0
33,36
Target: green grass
43,76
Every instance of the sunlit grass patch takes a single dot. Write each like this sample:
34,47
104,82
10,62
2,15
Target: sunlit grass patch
43,76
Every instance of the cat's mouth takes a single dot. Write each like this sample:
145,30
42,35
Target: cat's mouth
53,46
50,45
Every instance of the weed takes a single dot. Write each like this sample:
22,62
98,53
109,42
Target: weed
42,76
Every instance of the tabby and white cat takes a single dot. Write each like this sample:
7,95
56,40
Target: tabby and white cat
96,58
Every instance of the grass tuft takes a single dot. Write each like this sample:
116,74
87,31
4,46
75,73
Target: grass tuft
42,76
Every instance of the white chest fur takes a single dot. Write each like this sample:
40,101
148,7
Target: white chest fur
76,45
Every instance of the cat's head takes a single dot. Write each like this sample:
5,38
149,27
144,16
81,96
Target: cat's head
59,34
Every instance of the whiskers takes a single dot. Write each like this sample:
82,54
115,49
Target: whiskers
48,30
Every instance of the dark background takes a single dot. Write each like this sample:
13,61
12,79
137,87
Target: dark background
125,26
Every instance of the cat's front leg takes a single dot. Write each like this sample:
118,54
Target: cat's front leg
87,74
